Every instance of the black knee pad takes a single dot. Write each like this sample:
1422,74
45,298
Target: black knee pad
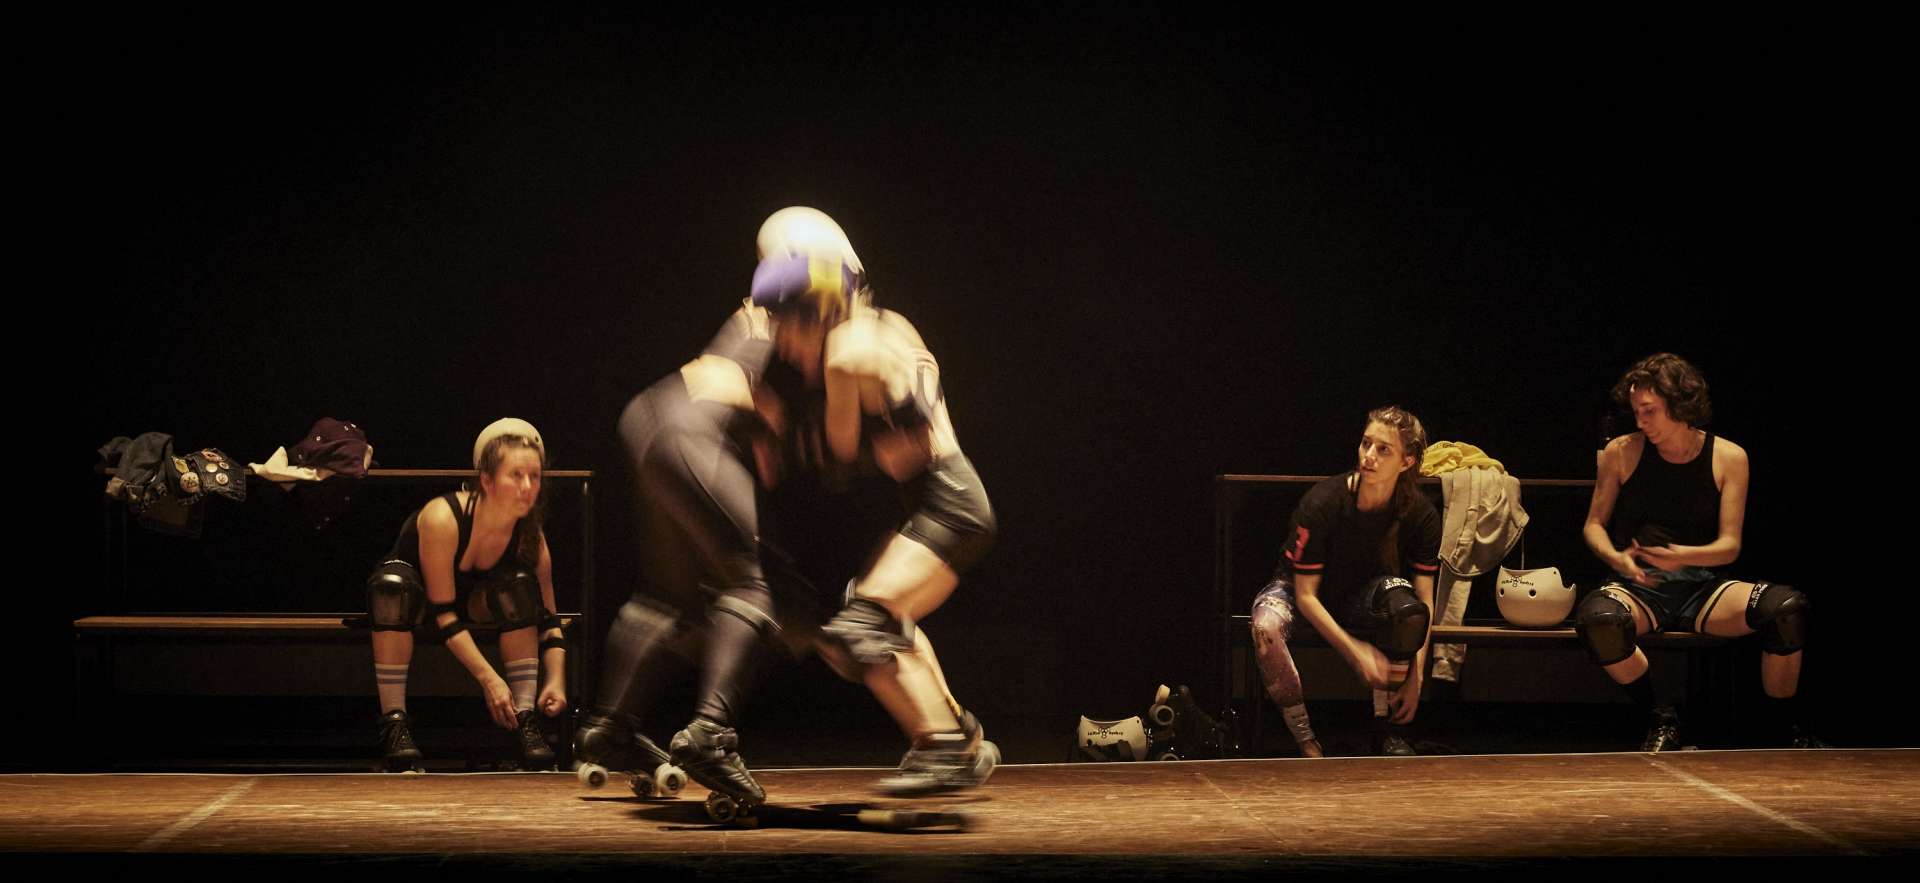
396,601
1605,626
1779,613
513,597
1404,618
868,633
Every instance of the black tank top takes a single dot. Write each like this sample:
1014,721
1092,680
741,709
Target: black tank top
1668,503
407,546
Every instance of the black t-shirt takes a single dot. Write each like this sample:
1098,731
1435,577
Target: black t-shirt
1329,536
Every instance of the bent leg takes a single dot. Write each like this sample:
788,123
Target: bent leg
1272,625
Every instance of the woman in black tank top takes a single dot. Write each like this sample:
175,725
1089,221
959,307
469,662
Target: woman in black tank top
1668,507
477,555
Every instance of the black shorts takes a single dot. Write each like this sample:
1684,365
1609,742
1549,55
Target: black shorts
1677,605
950,513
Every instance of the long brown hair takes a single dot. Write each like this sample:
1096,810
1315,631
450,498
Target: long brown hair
1413,439
490,459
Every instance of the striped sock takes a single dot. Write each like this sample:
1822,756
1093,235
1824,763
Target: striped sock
1380,703
391,681
522,676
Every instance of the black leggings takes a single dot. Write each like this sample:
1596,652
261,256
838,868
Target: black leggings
698,528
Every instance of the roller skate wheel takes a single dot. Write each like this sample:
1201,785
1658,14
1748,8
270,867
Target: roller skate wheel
1161,695
988,761
1162,714
642,784
722,808
592,775
1166,756
669,779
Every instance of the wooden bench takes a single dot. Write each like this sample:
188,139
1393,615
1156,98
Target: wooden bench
287,653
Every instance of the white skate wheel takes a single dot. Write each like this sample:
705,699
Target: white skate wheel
669,780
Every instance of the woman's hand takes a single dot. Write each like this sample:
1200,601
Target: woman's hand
499,701
553,698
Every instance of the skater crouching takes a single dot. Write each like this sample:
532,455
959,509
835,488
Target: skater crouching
872,393
1351,546
475,556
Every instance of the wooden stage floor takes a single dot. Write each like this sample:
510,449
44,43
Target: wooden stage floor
1200,819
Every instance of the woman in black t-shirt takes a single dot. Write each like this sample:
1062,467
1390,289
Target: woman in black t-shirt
1359,562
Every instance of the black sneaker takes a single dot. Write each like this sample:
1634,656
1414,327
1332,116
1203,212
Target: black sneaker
535,753
396,741
1663,731
1802,737
1389,740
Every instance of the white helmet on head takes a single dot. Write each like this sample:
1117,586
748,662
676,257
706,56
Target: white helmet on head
506,426
798,230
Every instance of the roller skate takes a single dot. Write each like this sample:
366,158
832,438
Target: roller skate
603,747
710,754
1193,732
949,762
396,743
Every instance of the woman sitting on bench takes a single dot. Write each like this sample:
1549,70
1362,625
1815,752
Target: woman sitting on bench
1352,544
1669,503
475,556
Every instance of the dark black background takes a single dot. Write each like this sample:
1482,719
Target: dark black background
1148,247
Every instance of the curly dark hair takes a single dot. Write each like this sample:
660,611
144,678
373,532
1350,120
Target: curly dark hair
1675,381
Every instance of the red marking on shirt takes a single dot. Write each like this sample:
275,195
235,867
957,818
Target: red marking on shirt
1301,534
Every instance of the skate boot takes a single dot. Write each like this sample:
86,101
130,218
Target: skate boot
396,742
535,753
949,762
1389,740
1195,733
710,754
602,747
1663,731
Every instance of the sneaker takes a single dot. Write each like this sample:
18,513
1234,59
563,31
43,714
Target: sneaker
535,753
1804,738
1663,731
396,741
1388,741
